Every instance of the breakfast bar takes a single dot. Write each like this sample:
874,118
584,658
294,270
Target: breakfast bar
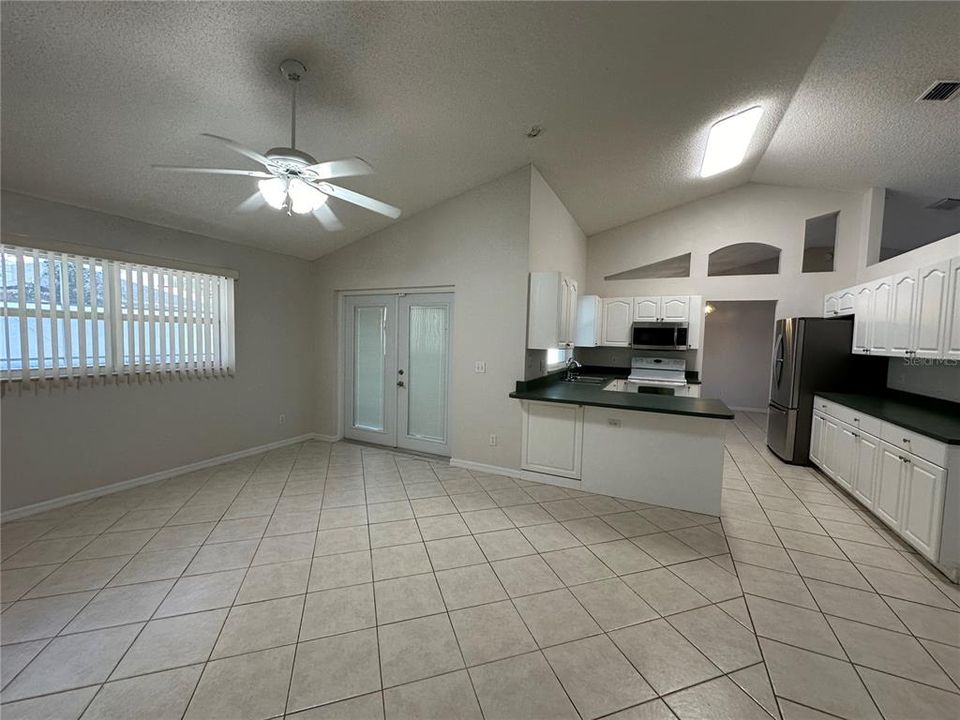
651,448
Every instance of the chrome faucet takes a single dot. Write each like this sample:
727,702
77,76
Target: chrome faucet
573,368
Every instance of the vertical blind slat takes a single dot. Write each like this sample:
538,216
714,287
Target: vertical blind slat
22,318
54,325
38,312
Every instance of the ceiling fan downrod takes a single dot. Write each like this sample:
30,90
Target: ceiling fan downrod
293,71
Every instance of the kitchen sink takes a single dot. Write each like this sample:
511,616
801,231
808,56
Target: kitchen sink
587,379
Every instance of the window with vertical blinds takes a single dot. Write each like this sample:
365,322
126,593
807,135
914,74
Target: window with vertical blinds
71,316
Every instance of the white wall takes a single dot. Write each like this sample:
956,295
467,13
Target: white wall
477,242
737,343
557,244
750,213
59,441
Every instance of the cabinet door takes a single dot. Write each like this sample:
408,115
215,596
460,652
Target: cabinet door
695,322
902,312
923,505
552,438
573,302
831,435
646,309
862,315
831,305
617,321
865,475
846,302
880,316
930,313
889,490
816,439
950,348
845,455
675,308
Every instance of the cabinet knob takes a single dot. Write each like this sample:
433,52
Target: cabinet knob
906,440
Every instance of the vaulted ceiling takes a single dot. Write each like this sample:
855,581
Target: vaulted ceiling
436,96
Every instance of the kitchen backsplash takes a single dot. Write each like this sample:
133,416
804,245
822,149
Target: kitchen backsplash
934,378
620,357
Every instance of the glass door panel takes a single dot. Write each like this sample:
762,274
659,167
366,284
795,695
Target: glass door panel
370,363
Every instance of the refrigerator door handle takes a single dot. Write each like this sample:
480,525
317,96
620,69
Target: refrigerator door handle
778,360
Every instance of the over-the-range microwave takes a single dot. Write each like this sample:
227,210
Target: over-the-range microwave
659,336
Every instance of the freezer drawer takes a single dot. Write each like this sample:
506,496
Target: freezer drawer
782,432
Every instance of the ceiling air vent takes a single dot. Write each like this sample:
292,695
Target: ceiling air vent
945,204
941,91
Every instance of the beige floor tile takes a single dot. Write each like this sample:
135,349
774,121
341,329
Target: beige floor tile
774,585
817,681
719,698
623,557
438,527
711,581
342,540
467,502
115,543
901,699
663,656
727,643
172,642
491,632
860,605
61,706
631,524
15,583
454,552
755,681
665,549
259,626
841,572
72,661
418,649
407,597
14,658
450,697
151,565
243,687
336,611
555,617
389,511
202,592
504,544
398,532
906,587
521,687
527,515
889,652
508,497
40,618
768,556
282,548
158,696
266,582
471,585
550,536
331,571
928,622
664,591
222,556
121,605
591,530
702,539
334,668
526,575
241,529
794,625
79,575
400,560
365,707
292,523
947,656
430,506
597,677
575,566
613,604
480,521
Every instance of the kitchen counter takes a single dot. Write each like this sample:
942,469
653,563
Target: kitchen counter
937,419
552,389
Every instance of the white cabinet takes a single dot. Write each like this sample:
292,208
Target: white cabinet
646,309
862,319
880,316
902,312
845,455
839,303
552,312
617,321
589,311
889,485
695,323
922,515
864,476
930,313
552,438
675,308
816,438
950,346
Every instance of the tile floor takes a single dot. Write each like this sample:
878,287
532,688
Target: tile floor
334,581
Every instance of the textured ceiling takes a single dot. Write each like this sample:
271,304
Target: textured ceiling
853,122
437,96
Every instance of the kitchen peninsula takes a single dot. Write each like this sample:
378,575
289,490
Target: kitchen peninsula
659,449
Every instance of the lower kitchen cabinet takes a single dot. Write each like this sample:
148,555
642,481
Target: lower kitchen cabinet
552,438
904,490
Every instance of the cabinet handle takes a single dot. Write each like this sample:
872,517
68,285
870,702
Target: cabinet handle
856,435
856,419
906,440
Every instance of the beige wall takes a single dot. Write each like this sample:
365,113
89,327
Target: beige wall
737,342
750,213
478,243
60,441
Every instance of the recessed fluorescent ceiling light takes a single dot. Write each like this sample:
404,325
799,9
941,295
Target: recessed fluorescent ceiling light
728,141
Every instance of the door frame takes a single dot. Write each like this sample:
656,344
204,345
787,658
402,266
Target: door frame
341,295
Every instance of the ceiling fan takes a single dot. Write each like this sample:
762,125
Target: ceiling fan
291,179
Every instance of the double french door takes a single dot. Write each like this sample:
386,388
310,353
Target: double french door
397,370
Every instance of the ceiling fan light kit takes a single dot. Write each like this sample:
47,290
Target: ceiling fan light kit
293,180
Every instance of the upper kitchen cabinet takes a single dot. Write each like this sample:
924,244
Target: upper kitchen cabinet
863,312
839,303
666,308
646,309
902,312
950,347
930,310
552,314
589,313
616,321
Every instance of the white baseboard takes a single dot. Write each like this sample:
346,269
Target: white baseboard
483,467
152,477
327,438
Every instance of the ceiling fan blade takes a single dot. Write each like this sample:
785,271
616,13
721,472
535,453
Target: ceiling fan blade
215,171
254,202
237,147
326,217
357,199
340,168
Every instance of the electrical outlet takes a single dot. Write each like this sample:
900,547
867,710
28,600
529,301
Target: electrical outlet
479,366
283,418
493,441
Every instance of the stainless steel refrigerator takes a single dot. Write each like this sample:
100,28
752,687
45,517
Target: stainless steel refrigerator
812,355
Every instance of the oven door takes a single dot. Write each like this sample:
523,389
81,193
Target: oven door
658,336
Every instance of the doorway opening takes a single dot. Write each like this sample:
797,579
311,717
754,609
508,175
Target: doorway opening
397,369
